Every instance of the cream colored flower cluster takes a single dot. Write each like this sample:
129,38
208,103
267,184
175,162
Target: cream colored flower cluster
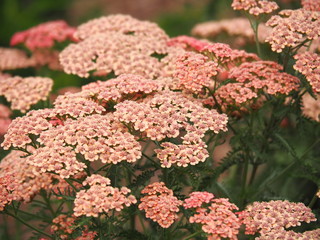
117,43
273,217
25,92
14,58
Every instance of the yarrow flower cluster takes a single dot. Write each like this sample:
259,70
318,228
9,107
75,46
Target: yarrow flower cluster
311,106
160,204
44,35
14,58
312,5
308,64
101,197
251,79
5,119
292,28
255,7
218,219
24,92
282,214
239,28
116,43
164,115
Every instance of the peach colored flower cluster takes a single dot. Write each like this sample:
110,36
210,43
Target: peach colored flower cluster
291,235
251,78
7,185
44,35
219,52
275,216
95,137
5,119
33,123
116,43
196,199
24,92
238,28
308,64
312,5
126,86
62,226
160,204
25,180
292,28
218,220
164,115
101,198
311,106
195,71
255,7
14,58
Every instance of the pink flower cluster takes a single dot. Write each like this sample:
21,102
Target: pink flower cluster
218,220
116,43
5,119
255,7
44,35
291,28
101,198
24,92
311,5
253,77
160,204
290,235
24,180
195,71
308,64
271,218
219,52
14,58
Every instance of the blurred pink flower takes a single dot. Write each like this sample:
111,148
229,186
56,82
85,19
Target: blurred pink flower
44,35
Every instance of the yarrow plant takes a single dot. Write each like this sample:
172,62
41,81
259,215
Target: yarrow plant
180,138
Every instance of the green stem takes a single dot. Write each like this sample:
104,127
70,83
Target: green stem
48,203
313,200
255,26
30,226
149,158
192,235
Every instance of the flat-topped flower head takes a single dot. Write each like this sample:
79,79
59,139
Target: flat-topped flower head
266,217
14,59
25,180
196,199
25,92
311,5
101,198
216,215
123,24
160,204
107,52
44,35
292,28
308,64
195,71
255,7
